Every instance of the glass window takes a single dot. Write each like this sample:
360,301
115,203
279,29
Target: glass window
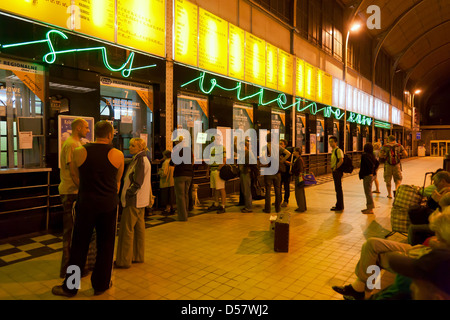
130,106
21,93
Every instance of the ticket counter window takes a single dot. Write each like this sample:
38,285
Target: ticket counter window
242,117
279,122
193,111
130,106
300,133
320,132
21,115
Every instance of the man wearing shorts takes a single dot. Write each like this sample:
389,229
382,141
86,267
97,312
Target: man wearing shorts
216,183
392,152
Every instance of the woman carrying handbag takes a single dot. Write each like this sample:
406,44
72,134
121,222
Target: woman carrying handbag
297,171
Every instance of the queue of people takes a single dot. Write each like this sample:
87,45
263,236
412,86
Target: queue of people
91,179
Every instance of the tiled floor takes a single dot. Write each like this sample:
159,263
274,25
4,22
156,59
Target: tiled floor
230,256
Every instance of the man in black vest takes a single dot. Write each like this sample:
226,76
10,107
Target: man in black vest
98,169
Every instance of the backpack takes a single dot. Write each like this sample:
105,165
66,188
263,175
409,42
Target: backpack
347,165
227,173
393,158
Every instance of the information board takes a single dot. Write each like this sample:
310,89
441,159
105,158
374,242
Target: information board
271,66
299,78
141,25
310,81
285,72
185,30
213,43
327,89
236,53
255,58
94,18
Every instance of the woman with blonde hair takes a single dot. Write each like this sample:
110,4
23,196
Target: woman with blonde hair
136,195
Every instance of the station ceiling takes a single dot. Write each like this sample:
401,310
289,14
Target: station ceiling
415,33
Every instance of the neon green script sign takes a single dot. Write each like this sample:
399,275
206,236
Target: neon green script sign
50,57
281,100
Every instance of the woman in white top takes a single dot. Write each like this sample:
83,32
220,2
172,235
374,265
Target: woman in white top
136,195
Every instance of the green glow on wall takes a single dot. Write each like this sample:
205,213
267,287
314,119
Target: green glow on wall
50,57
281,100
381,124
359,119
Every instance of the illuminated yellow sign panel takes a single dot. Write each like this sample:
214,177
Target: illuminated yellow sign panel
185,29
236,52
141,25
95,18
300,78
285,72
327,89
53,12
255,58
310,82
271,66
213,43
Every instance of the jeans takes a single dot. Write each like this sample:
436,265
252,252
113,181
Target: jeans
246,182
276,181
367,183
337,178
182,186
286,184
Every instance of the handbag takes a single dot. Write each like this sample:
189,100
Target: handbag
299,181
309,179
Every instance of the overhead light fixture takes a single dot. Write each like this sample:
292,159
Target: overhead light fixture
417,91
355,26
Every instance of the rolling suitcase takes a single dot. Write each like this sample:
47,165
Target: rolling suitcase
281,239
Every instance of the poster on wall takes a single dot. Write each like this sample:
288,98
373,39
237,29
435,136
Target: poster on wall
312,143
65,130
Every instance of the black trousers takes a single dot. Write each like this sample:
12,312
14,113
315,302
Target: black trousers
104,223
337,178
286,184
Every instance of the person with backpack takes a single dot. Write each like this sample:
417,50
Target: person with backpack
337,159
390,154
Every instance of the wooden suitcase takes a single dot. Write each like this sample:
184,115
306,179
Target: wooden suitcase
281,238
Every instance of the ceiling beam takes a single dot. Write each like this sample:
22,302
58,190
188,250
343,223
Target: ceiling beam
414,42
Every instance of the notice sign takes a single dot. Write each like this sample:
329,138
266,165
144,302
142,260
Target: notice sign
185,30
25,139
255,58
213,43
236,52
94,18
141,25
